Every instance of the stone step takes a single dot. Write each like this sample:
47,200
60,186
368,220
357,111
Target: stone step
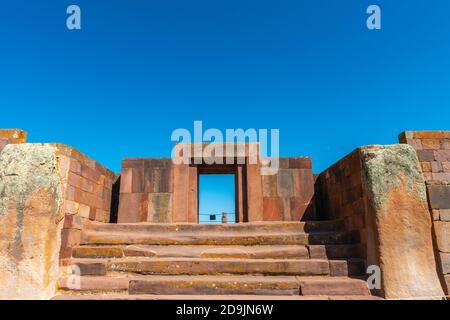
187,285
190,251
261,227
333,286
210,238
200,266
95,285
227,297
347,267
345,288
336,251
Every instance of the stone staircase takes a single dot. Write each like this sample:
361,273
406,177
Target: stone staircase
267,260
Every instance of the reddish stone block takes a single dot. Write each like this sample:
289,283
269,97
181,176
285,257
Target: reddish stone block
73,222
428,176
84,211
132,163
440,176
158,176
431,144
133,207
89,173
92,213
71,207
65,252
273,209
425,155
75,166
254,193
426,166
442,155
436,166
87,185
442,230
283,163
439,196
339,268
300,163
180,193
446,166
73,194
269,185
193,195
285,183
445,262
431,134
415,143
299,209
70,237
137,181
444,214
126,180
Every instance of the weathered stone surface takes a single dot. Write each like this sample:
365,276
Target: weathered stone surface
442,230
400,222
439,196
444,215
31,203
159,207
445,262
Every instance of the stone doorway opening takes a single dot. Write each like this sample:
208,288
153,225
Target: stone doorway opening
221,196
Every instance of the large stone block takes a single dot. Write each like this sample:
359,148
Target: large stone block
31,214
439,196
445,262
399,222
159,207
442,230
133,207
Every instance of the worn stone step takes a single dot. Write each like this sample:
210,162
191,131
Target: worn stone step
227,297
190,251
333,286
185,285
88,284
208,238
336,251
312,287
186,297
210,285
201,266
347,267
261,227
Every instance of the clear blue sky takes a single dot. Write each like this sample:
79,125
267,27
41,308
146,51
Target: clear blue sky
139,69
216,196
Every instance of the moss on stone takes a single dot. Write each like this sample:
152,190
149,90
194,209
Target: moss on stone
25,169
386,167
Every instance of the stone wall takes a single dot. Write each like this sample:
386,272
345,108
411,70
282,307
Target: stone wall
47,192
12,136
340,195
439,202
433,151
380,193
288,195
146,190
157,190
87,191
